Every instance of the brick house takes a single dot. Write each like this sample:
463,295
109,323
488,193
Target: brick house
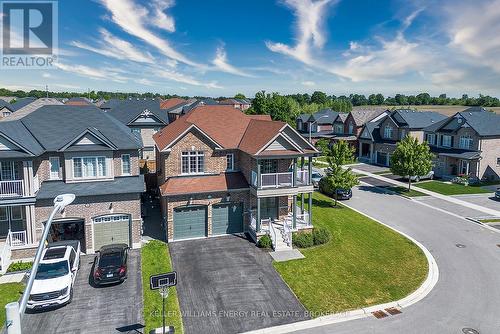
58,149
242,104
221,171
318,125
467,143
378,139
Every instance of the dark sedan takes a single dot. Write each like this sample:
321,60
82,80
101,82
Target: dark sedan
111,264
344,194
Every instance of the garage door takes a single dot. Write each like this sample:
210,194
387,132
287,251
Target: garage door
190,222
382,158
227,218
113,229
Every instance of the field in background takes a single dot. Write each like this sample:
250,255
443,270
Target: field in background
445,110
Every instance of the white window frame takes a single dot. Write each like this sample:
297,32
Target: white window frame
198,156
127,156
433,141
448,143
388,132
466,142
230,167
53,175
12,171
99,174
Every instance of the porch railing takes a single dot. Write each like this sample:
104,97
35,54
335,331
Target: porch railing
273,234
281,180
11,188
5,256
17,239
303,177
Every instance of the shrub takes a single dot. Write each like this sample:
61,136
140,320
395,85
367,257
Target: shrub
19,266
265,242
321,235
302,240
325,187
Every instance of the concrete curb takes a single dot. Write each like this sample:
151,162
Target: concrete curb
414,297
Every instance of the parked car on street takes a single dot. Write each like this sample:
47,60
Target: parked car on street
316,177
111,264
497,194
428,176
56,274
344,194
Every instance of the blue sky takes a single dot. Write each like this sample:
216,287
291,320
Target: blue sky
216,47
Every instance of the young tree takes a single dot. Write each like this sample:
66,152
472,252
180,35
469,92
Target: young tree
240,96
340,153
411,158
323,145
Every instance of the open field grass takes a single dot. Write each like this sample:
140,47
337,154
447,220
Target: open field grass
364,264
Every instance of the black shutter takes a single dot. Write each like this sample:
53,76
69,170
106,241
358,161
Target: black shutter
451,142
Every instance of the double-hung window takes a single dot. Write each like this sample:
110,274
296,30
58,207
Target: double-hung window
446,141
388,132
466,142
431,139
54,168
8,171
89,167
193,162
16,212
126,164
351,128
230,162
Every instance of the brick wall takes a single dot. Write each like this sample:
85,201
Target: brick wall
488,165
93,206
134,162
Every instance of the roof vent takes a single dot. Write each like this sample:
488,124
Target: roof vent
459,120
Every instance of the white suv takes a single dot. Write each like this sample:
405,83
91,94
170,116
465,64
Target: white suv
56,274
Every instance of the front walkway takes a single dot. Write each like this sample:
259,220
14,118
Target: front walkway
228,285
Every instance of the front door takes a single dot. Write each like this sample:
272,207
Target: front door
269,208
464,167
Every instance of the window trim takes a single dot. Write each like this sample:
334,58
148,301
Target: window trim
86,177
386,128
129,164
443,140
466,139
431,135
51,173
12,213
232,162
196,155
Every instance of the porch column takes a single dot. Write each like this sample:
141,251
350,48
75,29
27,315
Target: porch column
310,207
257,219
28,178
29,215
294,212
294,173
309,169
302,162
258,174
302,200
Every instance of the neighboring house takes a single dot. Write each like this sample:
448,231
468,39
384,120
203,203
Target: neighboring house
22,102
378,139
5,109
242,104
172,102
319,124
467,143
221,171
78,101
59,149
145,118
174,107
186,106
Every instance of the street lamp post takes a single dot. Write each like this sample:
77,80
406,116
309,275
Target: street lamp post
310,126
15,310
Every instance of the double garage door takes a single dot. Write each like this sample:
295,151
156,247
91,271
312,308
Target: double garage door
191,222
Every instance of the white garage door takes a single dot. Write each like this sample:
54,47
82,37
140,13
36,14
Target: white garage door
111,229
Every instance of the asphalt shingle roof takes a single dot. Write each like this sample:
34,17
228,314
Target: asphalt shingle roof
418,119
5,104
484,123
127,110
362,116
325,116
20,103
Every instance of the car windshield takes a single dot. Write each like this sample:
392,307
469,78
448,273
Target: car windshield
316,176
52,270
110,259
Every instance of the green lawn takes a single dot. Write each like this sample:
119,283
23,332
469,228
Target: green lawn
404,191
155,259
451,188
489,221
364,264
9,292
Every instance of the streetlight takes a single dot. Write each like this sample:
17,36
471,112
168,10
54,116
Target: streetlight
310,126
15,310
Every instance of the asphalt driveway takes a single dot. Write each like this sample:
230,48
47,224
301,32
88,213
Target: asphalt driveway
228,285
94,310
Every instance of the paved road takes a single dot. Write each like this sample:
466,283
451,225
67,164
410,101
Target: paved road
94,310
467,294
227,285
486,200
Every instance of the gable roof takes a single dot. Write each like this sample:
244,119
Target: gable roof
362,116
341,117
20,103
5,104
126,111
78,101
226,126
324,116
484,123
172,102
26,110
415,119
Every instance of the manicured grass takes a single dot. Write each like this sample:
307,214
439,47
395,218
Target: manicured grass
490,220
9,292
364,264
155,259
404,191
451,188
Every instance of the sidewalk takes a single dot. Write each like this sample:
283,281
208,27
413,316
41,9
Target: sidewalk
12,278
454,200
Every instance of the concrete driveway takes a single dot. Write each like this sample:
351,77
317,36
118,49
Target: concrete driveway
371,168
467,294
228,285
95,310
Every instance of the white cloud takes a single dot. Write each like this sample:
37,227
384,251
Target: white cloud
114,47
183,78
310,17
308,83
160,19
221,63
92,73
133,19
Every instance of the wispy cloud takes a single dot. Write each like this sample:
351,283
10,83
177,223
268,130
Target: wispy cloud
172,75
114,47
221,63
134,19
91,72
310,16
160,19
